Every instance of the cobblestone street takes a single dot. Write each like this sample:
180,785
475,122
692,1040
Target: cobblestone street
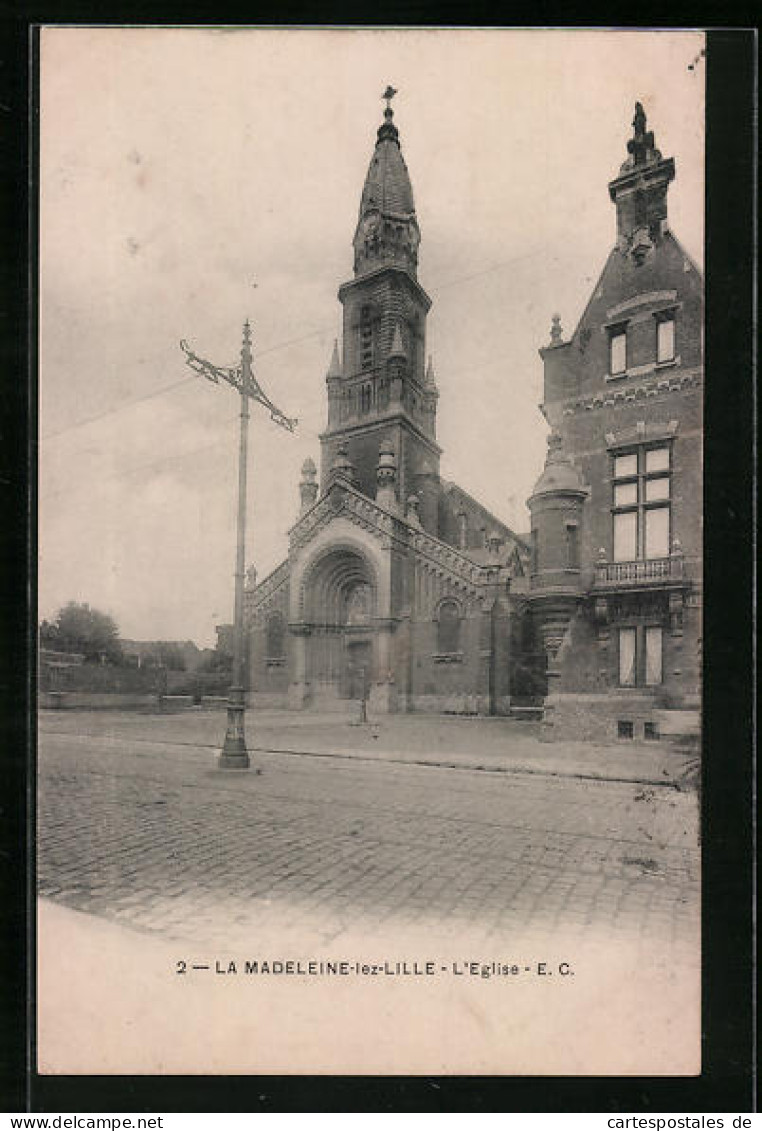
137,825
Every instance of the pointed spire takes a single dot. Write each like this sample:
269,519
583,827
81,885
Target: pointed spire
334,369
387,229
430,380
397,350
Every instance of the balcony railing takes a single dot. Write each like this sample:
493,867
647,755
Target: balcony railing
650,571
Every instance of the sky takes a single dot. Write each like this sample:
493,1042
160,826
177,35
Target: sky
193,177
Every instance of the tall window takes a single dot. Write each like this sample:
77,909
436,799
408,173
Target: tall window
448,628
641,504
572,545
627,649
653,657
617,350
275,645
640,656
665,338
366,338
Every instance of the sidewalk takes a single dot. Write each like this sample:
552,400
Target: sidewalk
495,745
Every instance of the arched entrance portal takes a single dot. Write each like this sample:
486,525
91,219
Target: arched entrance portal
340,605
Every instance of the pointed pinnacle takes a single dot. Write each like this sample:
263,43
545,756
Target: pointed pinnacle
334,369
397,350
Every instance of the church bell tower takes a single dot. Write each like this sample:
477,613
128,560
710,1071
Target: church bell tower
380,390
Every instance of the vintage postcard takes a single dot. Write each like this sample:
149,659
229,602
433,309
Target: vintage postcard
370,584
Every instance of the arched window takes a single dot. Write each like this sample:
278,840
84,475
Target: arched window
275,645
366,338
448,627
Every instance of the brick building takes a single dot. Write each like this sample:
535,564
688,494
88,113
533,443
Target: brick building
400,584
616,514
397,583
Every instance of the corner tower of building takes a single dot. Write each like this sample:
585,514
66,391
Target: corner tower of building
378,391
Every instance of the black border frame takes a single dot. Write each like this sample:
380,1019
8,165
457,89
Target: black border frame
727,1079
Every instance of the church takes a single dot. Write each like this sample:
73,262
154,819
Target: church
402,589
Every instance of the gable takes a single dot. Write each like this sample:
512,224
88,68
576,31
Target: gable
630,295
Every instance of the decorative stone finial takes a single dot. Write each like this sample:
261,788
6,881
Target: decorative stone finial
386,475
429,379
342,466
411,514
556,332
308,488
641,145
251,577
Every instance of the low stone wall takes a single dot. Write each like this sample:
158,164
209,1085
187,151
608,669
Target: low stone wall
266,700
679,724
611,717
96,701
458,704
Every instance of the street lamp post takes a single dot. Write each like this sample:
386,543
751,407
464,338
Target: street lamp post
234,755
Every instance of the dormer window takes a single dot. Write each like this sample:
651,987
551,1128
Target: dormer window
665,337
617,350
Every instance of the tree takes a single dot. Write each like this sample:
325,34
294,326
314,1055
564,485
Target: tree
164,654
78,628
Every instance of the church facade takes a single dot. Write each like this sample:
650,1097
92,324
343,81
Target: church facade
401,588
398,584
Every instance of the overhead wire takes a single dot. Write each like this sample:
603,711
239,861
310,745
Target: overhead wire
185,382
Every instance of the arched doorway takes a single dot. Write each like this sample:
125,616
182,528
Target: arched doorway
340,604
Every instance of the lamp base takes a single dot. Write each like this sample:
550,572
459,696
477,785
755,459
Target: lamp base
234,755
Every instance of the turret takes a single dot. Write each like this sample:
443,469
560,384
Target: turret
308,488
430,398
333,385
556,506
386,476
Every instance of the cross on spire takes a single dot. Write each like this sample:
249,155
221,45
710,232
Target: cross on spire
389,94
